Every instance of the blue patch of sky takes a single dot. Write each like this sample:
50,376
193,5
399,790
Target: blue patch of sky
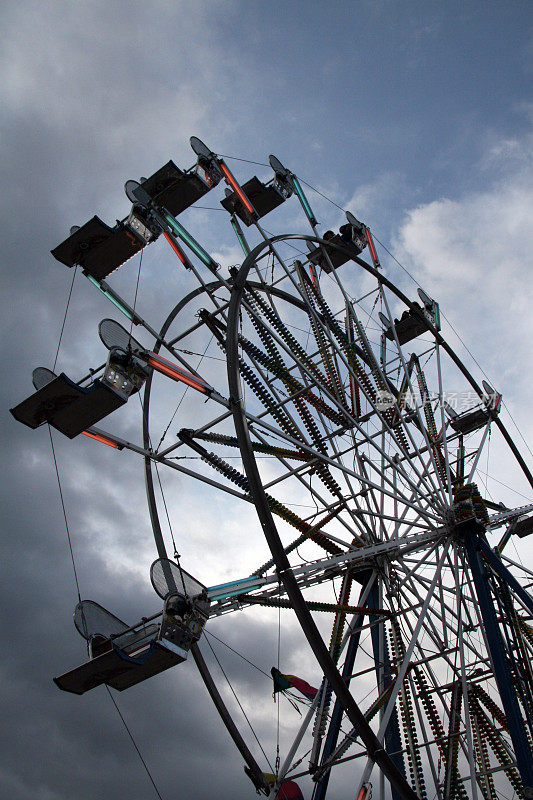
409,87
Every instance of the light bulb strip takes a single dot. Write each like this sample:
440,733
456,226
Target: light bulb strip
100,438
371,247
116,302
240,236
303,200
177,249
189,240
237,189
176,373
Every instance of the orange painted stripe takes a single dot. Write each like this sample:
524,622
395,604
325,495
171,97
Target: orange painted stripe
371,246
100,438
180,254
177,375
232,182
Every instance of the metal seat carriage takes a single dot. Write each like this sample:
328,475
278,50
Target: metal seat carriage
122,655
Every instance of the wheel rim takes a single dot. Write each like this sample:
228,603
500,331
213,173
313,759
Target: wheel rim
445,551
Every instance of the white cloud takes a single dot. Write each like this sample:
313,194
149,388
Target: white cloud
473,254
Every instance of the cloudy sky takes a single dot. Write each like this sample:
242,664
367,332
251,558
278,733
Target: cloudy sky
417,116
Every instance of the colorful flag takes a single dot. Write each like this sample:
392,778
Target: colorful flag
283,682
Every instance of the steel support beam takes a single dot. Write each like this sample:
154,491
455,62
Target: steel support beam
338,710
502,672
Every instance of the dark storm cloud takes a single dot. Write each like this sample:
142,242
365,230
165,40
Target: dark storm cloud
90,103
76,746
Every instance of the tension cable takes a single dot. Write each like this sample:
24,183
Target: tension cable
64,514
239,704
65,317
145,765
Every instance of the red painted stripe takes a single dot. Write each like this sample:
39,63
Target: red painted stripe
99,438
233,183
371,247
180,254
176,374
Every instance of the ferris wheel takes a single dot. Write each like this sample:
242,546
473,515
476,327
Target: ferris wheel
305,386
